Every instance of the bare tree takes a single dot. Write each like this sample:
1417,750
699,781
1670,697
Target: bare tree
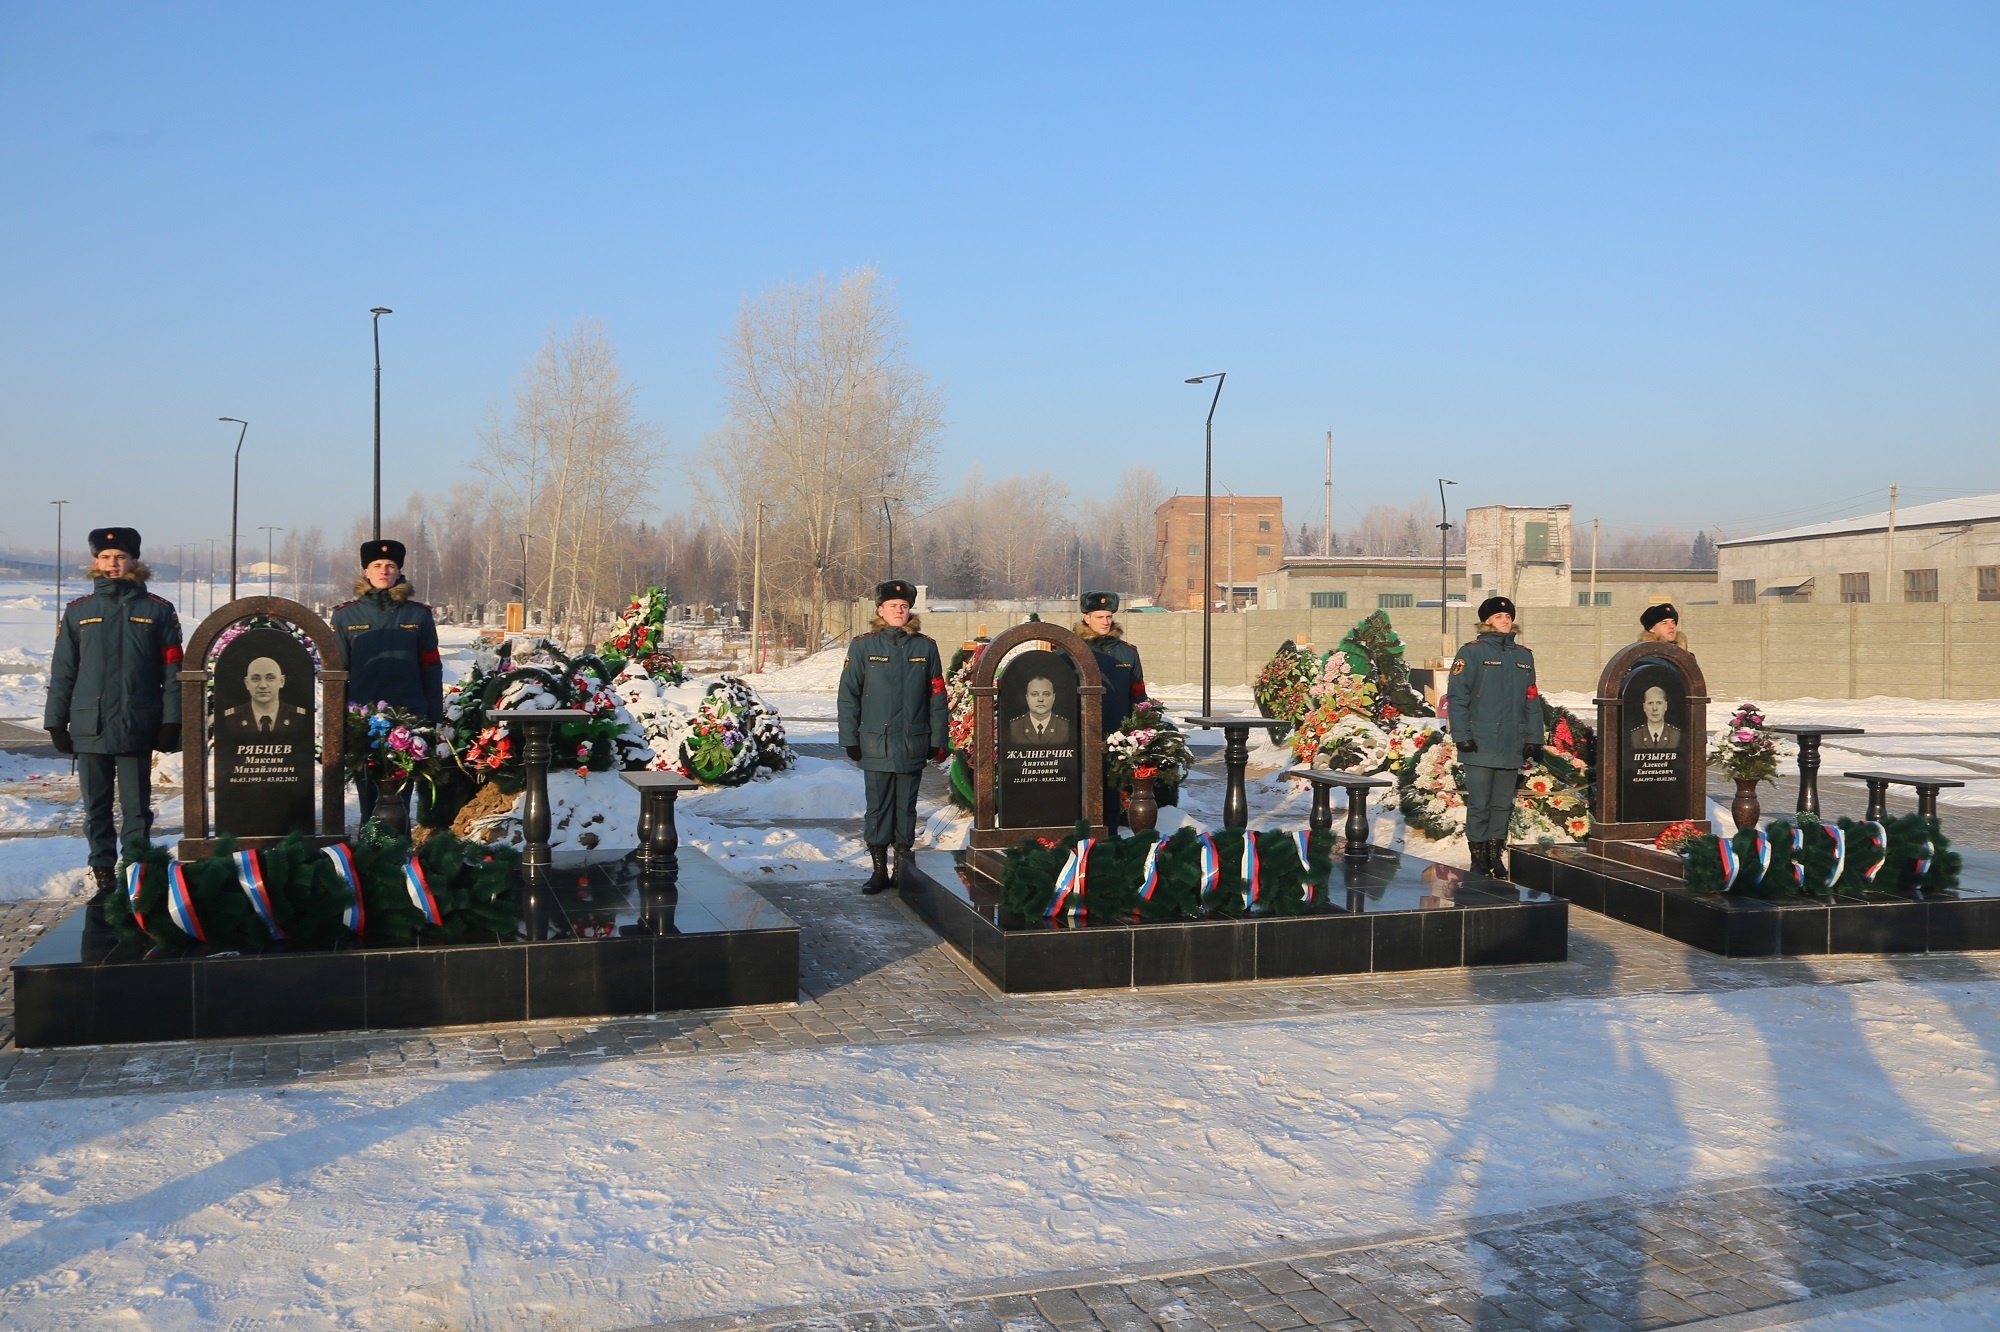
825,417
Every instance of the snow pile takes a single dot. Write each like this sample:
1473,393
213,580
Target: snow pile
816,789
817,674
564,1195
43,867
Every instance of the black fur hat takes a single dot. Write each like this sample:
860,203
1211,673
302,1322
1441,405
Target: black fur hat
895,589
115,538
383,549
1097,601
1493,606
1652,615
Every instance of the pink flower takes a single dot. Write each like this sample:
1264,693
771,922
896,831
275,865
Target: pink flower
1746,734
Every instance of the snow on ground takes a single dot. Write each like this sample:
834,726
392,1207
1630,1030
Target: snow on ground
1975,1310
43,867
602,1195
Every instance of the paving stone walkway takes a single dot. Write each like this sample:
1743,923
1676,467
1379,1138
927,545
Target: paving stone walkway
1673,1260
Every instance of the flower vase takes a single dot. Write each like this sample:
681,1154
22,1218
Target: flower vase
390,811
1142,811
1744,808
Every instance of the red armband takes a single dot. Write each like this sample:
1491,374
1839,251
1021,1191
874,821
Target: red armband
1138,689
937,684
1534,692
172,654
431,657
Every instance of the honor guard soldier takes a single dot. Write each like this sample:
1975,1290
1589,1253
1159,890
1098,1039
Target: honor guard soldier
1494,711
894,719
113,695
389,644
1124,677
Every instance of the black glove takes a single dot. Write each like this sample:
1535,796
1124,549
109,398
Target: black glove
169,738
1468,746
59,737
854,752
1531,749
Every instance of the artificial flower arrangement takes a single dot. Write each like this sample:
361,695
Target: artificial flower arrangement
1678,836
1147,744
1745,748
1349,742
397,749
640,639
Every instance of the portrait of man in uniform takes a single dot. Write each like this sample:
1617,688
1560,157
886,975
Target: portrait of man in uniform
1654,732
1040,725
265,712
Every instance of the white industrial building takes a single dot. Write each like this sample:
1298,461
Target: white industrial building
1945,551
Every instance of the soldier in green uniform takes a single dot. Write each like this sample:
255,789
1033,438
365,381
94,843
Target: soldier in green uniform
1494,710
113,696
389,644
1124,677
894,718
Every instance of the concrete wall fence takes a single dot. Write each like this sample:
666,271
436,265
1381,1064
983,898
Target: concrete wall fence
1945,650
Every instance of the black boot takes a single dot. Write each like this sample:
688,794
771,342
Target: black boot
1478,850
901,863
879,881
1496,859
105,880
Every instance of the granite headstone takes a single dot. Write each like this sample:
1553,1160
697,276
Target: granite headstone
264,735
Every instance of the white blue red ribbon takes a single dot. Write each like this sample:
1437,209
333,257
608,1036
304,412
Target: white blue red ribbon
355,917
250,876
1070,882
1253,872
1924,861
420,891
1880,836
1211,865
1839,836
1798,852
1763,854
1302,839
134,876
180,903
1727,854
1149,878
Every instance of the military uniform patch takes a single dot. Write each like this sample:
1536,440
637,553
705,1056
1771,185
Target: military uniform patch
1458,666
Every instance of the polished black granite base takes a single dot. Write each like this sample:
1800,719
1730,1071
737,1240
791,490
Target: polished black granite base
594,943
1781,925
1388,913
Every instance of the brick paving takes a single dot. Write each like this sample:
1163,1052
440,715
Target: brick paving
1677,1259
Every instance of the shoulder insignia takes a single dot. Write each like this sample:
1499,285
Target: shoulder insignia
162,600
80,600
345,604
1458,667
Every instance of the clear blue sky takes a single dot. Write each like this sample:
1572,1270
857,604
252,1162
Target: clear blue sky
1672,263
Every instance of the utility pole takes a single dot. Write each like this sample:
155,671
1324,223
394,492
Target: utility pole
59,517
1229,562
757,591
1326,540
1889,582
1444,569
1596,616
270,570
376,319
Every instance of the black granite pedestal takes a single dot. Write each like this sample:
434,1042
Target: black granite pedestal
1778,925
596,939
1387,912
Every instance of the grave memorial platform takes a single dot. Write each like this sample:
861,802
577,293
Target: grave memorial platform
660,928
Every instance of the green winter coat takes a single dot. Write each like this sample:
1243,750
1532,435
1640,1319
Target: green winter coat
1124,676
389,645
1494,702
113,680
892,700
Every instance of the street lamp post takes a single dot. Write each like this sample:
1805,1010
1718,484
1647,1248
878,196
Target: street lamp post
889,516
1208,540
59,517
378,312
235,492
270,568
757,591
1444,566
524,582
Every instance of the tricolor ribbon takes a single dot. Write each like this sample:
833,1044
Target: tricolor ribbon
1302,839
1880,836
1071,881
1798,851
355,917
1253,871
420,891
1211,865
250,876
1839,836
134,874
1924,862
180,903
1149,878
1727,854
1763,854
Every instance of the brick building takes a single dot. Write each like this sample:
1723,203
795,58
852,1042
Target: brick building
1249,540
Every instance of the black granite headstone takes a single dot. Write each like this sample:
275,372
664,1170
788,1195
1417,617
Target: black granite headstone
1655,749
1040,777
264,735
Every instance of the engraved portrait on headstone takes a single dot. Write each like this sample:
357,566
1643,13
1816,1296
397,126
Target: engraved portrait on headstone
1040,778
1654,771
263,731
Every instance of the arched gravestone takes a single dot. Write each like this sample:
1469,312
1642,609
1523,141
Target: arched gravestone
1037,740
1652,738
261,788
